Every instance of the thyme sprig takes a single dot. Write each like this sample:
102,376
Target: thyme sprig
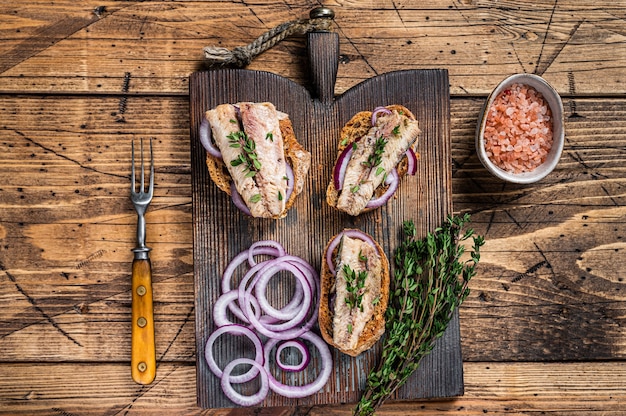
430,282
355,282
376,157
248,157
373,161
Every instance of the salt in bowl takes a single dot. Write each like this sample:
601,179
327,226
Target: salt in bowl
553,100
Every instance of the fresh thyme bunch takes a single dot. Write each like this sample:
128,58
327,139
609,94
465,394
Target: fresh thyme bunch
430,282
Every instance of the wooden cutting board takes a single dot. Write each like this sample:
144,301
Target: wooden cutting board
220,231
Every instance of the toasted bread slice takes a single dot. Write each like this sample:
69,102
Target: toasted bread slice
296,155
374,327
356,128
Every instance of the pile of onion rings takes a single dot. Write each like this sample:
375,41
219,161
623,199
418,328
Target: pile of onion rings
266,327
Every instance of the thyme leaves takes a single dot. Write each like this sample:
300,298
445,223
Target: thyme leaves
429,283
248,157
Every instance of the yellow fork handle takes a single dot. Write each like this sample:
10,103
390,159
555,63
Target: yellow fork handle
143,355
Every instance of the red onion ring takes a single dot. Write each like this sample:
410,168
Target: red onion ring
227,276
377,110
304,355
297,302
339,172
265,275
233,330
411,161
238,200
226,301
285,330
290,181
255,250
392,180
292,321
244,297
335,242
308,389
205,139
235,396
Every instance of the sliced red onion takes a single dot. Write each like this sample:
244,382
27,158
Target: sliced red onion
305,357
238,200
243,293
411,158
283,330
265,275
290,181
392,180
339,172
226,301
290,322
260,325
237,261
237,397
205,139
260,247
335,242
233,330
317,384
378,110
227,276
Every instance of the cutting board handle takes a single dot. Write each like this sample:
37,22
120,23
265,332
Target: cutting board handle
324,61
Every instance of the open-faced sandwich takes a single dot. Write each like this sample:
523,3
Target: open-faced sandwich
253,155
375,150
354,292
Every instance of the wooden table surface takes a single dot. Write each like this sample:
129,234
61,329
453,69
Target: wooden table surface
543,329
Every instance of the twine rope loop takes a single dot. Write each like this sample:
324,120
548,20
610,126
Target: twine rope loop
241,56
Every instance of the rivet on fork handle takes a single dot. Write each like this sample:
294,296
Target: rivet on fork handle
143,351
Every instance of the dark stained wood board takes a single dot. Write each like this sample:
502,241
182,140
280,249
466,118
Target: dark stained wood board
220,231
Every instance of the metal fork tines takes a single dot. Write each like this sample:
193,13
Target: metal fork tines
141,199
143,351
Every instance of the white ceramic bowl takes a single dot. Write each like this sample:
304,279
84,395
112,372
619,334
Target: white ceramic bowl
556,106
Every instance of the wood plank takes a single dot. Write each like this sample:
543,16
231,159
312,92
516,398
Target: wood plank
159,44
555,389
76,273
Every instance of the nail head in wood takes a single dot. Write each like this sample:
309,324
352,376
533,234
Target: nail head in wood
320,12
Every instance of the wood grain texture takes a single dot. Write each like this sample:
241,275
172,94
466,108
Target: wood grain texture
221,232
576,47
542,331
554,389
68,227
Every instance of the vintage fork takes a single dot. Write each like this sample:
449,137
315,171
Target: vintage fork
143,355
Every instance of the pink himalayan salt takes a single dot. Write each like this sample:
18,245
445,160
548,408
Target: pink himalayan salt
518,129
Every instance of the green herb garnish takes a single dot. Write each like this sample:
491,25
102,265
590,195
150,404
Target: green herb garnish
354,283
375,158
255,198
248,157
430,282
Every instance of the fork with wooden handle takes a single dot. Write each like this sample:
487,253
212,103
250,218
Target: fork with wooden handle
143,354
